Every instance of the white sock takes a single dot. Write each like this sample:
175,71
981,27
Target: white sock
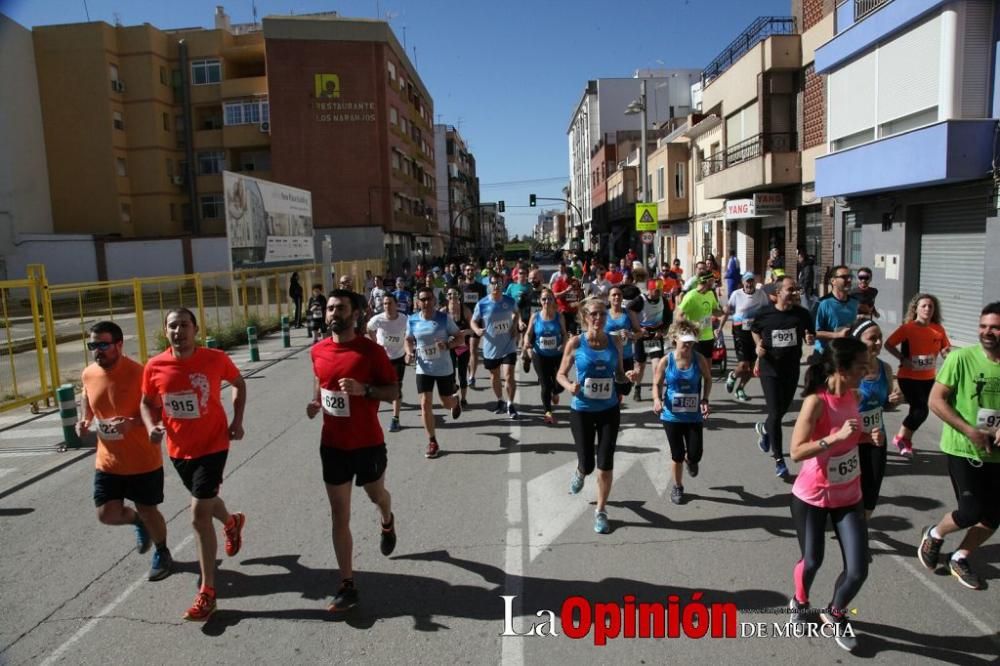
935,534
956,556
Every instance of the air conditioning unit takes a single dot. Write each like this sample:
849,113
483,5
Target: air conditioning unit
265,127
177,180
118,85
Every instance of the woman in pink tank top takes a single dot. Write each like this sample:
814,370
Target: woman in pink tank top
828,487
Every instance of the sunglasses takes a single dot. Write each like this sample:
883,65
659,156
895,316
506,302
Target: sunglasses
103,346
844,276
864,277
424,299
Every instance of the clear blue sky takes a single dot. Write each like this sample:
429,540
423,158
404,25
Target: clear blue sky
507,73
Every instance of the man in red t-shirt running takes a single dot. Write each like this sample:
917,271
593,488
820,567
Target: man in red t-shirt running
182,400
352,375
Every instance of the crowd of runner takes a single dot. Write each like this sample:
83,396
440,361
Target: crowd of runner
598,336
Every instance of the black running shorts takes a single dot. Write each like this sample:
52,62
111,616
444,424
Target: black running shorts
364,465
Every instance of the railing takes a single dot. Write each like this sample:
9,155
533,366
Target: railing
759,30
775,142
863,8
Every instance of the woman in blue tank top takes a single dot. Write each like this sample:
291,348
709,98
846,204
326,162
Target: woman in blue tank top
625,324
682,382
595,415
544,342
875,393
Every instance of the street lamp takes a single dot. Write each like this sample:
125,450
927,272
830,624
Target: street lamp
634,107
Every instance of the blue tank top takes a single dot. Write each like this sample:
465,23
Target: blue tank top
874,394
548,336
595,371
682,402
621,323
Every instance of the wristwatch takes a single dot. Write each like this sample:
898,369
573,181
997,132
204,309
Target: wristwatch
823,444
368,390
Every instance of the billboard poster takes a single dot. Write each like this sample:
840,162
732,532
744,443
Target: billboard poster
267,224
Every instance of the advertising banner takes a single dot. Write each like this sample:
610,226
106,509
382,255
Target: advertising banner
267,224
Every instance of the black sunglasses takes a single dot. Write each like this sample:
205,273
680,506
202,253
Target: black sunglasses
103,346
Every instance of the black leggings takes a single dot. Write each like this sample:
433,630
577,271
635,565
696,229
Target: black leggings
977,490
852,533
917,392
778,394
546,368
685,440
588,426
872,459
461,364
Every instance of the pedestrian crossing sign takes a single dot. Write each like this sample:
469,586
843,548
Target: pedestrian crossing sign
645,217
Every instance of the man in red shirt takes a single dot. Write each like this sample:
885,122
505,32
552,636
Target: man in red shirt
352,375
182,400
568,293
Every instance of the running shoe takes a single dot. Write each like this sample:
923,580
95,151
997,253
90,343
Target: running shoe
677,494
798,611
929,549
500,408
387,540
432,450
601,525
142,540
512,411
780,469
742,396
843,633
730,382
692,468
345,599
903,446
961,570
233,531
456,411
763,441
551,420
394,425
576,483
162,564
472,382
202,608
465,403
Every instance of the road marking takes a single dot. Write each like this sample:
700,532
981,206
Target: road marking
19,433
104,612
4,471
512,649
25,454
955,606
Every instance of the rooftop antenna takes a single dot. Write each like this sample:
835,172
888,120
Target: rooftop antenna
415,65
253,9
404,39
117,18
86,11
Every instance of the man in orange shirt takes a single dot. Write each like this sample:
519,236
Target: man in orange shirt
182,400
128,465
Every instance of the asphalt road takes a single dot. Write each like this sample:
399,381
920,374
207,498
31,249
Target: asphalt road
490,518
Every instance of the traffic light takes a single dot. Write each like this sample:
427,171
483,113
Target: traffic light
500,206
531,200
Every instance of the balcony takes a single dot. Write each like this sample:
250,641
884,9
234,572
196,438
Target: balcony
863,8
757,163
244,136
856,34
247,86
946,152
758,31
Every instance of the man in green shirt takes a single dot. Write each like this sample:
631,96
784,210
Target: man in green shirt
966,396
698,307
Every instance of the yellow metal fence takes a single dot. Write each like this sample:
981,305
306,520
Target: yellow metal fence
43,327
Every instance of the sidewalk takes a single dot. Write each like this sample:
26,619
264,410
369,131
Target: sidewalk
31,444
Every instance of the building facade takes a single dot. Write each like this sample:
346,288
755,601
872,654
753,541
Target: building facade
458,192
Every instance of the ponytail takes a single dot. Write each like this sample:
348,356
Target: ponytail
840,354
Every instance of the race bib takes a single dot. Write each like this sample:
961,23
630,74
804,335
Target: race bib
335,403
429,353
597,388
393,340
923,362
653,346
182,405
684,403
107,430
471,297
706,322
871,419
501,326
785,337
571,297
841,469
988,419
548,342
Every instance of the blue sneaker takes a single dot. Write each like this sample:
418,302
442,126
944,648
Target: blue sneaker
142,540
576,483
601,525
162,564
763,442
394,425
780,469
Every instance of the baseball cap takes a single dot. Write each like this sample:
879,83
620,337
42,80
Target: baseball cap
687,337
748,276
652,285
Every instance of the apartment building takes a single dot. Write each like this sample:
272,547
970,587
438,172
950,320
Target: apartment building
157,115
912,121
457,193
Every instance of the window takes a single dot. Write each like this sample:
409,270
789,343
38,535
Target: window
852,240
120,166
679,168
393,115
659,184
117,120
212,207
247,111
211,162
395,160
163,78
113,71
166,122
404,125
392,71
204,72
